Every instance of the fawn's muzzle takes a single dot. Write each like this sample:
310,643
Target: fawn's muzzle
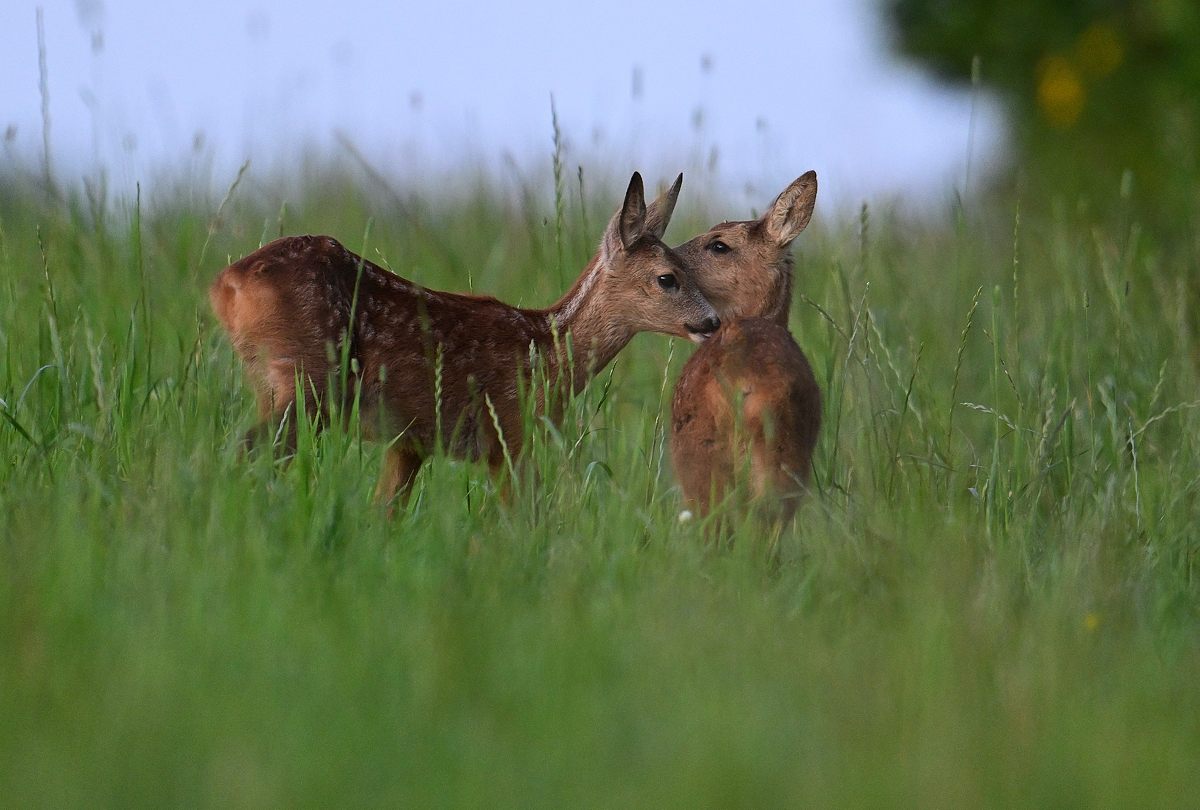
705,330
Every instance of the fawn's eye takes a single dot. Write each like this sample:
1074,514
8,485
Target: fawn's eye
717,246
668,281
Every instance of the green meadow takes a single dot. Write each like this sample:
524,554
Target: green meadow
992,597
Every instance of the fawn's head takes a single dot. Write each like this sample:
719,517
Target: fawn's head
745,268
642,283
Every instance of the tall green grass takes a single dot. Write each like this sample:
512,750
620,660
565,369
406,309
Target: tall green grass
992,598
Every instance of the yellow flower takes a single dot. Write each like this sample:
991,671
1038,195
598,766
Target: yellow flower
1060,92
1091,621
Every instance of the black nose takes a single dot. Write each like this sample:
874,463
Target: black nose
706,327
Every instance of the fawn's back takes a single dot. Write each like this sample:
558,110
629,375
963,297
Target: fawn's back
748,398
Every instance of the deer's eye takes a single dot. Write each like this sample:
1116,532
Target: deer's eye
668,281
717,246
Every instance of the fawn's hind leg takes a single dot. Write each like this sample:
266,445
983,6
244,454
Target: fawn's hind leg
277,431
400,466
277,406
276,426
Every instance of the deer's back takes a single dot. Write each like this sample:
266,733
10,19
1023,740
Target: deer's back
748,396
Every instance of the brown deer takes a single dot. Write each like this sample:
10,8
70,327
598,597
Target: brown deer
434,368
748,397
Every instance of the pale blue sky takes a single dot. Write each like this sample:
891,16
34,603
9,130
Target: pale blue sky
429,88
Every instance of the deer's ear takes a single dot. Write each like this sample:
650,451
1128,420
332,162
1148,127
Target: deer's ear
631,219
792,209
658,213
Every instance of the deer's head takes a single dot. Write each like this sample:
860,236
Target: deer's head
745,268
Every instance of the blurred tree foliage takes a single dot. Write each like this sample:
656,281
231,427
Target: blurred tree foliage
1093,87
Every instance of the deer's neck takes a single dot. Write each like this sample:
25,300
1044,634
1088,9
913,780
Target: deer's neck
586,315
781,297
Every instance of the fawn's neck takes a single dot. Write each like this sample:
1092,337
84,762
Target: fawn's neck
585,314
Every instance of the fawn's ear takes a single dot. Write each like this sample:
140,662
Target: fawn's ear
658,213
631,219
792,209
